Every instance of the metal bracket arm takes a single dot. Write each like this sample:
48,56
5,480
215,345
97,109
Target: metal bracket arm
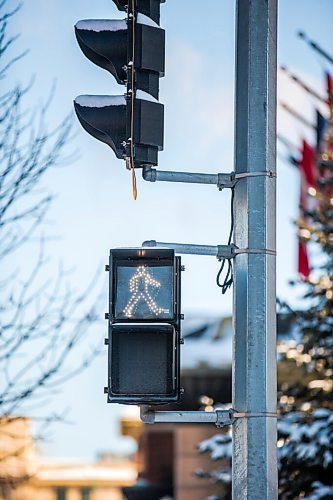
220,418
222,180
218,251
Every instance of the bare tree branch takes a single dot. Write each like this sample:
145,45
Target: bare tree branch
43,320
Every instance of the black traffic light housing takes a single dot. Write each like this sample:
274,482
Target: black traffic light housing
144,326
108,119
133,51
109,44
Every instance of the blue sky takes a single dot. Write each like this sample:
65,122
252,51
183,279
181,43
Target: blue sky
94,210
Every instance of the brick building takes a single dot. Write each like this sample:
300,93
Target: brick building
25,475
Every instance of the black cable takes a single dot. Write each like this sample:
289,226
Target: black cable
229,277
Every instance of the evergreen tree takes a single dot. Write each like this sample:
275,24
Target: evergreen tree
305,397
306,405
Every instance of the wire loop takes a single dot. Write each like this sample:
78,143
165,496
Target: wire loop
229,277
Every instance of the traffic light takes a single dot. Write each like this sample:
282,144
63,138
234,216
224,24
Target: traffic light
133,51
144,326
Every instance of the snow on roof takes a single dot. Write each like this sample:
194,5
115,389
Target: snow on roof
101,25
196,326
88,472
66,471
207,343
100,101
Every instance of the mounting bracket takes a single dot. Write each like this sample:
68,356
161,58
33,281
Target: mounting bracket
221,180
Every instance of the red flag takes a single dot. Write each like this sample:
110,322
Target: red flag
303,261
309,176
307,164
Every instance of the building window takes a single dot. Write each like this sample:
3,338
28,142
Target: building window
61,493
85,493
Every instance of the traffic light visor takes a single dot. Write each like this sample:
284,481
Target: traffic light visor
104,117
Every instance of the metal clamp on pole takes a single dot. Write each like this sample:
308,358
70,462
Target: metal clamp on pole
246,175
264,251
218,251
222,180
224,417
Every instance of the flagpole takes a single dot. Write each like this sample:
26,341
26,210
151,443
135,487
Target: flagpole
303,85
315,47
297,115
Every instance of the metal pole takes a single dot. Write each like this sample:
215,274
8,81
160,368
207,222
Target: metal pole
254,349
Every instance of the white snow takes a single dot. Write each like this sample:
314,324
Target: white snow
306,450
203,327
212,353
140,94
101,25
321,413
221,476
302,442
208,343
220,446
327,458
308,441
324,438
100,101
321,491
142,19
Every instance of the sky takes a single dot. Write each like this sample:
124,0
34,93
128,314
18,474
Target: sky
94,210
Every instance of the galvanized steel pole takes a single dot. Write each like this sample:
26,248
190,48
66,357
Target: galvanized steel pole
254,346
